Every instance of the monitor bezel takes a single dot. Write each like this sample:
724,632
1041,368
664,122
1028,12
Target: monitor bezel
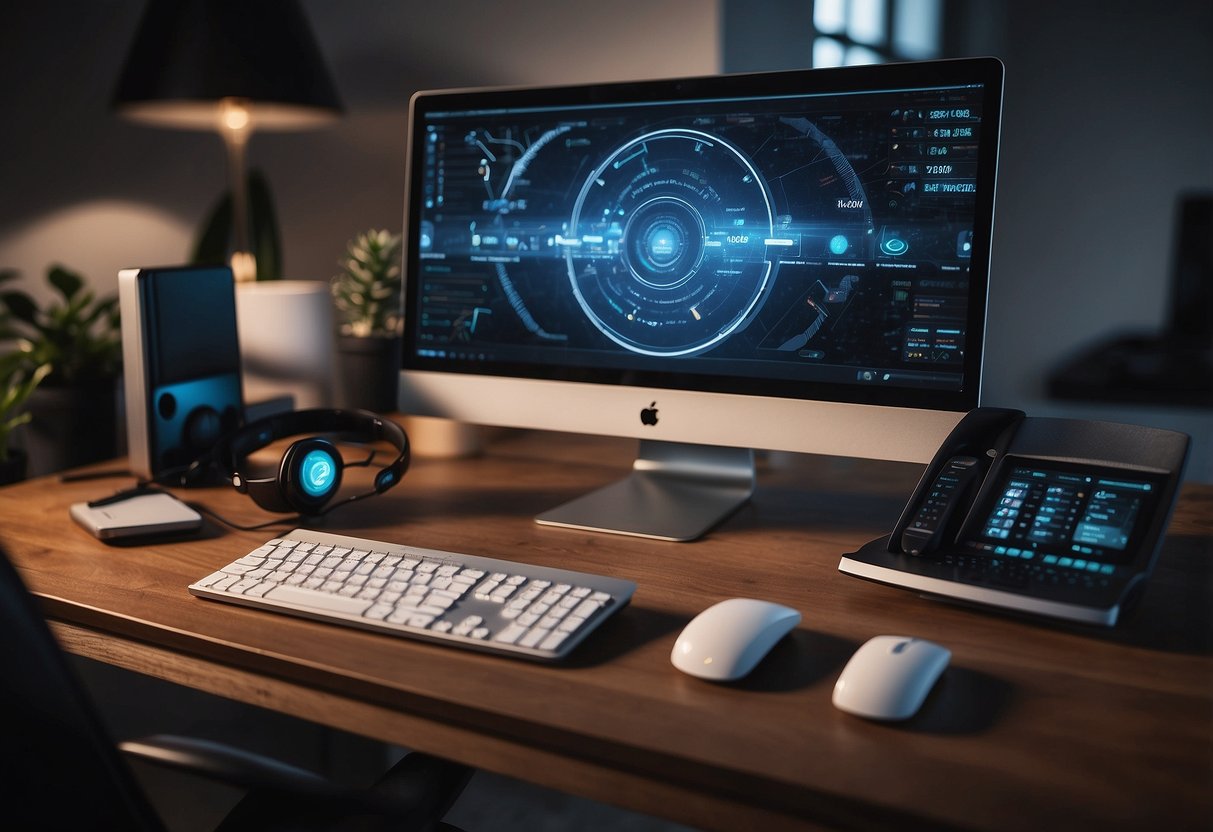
987,72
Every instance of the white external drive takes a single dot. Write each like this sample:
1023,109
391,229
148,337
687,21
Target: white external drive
146,514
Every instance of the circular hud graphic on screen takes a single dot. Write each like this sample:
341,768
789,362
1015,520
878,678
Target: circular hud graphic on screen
667,248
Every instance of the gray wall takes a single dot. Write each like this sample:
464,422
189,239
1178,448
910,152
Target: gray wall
87,189
1108,117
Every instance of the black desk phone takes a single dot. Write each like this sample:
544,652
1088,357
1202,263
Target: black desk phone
1055,517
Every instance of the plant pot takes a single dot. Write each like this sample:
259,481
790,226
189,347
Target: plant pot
286,344
72,425
434,438
368,372
12,469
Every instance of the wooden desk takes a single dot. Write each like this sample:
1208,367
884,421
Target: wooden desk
1032,727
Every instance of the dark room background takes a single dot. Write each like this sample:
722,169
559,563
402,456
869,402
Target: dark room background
1108,118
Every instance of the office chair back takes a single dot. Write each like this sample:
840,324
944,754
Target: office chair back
59,770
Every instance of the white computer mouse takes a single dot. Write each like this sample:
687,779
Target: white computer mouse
727,640
889,677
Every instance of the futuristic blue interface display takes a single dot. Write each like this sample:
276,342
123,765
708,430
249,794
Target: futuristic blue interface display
1068,512
814,241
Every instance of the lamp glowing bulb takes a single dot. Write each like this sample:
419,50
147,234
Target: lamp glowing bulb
234,114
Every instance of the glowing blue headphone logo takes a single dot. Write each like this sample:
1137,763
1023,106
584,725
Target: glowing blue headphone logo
317,473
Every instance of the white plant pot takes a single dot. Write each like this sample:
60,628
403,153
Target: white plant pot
286,341
432,438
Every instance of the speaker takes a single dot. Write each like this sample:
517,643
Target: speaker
181,362
309,474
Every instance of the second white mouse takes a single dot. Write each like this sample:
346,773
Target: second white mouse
889,677
727,640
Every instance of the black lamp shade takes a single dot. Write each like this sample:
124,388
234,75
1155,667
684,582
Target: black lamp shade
188,55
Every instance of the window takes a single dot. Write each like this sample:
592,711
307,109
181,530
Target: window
850,32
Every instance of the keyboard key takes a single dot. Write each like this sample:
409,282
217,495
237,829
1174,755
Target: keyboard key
533,637
210,579
401,614
510,634
313,600
570,624
501,593
239,568
553,641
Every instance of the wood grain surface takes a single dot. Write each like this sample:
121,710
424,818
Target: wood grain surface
1034,725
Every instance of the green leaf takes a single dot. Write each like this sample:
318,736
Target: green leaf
20,306
88,317
17,382
17,393
78,336
367,291
81,301
267,246
211,248
214,244
68,283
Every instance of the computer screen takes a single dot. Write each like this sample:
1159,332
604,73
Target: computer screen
792,260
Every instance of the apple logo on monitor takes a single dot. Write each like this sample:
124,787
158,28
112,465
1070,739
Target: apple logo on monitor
648,415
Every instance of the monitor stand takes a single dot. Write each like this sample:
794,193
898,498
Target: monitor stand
675,492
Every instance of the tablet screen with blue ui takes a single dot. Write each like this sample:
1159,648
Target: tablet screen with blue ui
1055,511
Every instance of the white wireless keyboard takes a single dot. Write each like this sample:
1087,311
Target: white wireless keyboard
463,600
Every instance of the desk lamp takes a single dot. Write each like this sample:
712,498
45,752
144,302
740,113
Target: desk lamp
231,66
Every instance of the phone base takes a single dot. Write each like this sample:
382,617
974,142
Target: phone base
955,576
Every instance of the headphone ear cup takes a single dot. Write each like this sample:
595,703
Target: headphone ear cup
266,493
310,474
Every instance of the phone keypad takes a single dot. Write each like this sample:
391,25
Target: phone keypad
1018,571
950,479
938,505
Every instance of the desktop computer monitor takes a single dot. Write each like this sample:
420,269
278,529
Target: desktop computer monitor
788,261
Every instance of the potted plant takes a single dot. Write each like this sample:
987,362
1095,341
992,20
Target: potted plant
17,382
367,296
214,241
74,410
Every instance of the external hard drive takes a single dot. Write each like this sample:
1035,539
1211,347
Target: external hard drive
144,515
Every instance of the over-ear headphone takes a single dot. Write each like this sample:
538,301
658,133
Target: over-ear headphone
310,471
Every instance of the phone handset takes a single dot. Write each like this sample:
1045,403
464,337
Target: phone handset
951,489
942,499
